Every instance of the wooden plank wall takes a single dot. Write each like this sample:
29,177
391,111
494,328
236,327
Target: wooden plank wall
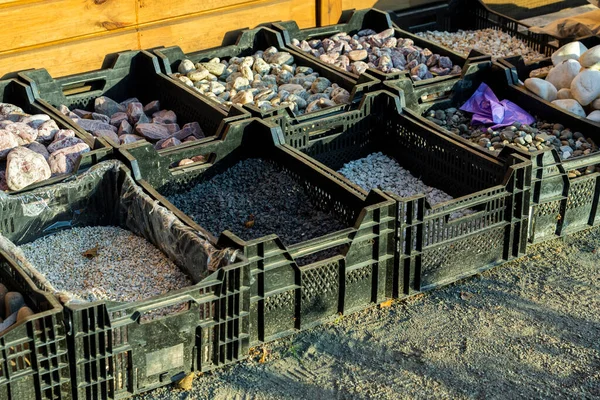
329,11
70,36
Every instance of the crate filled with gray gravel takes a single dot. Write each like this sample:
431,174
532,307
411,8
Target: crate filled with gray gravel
316,246
125,269
260,74
459,211
563,148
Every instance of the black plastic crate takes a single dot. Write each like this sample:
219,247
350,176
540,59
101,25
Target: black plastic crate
34,362
359,20
433,248
118,349
559,204
249,42
129,74
288,292
470,15
19,94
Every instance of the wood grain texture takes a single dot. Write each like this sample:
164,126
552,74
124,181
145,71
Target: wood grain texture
385,5
34,23
159,10
207,30
71,36
329,11
70,57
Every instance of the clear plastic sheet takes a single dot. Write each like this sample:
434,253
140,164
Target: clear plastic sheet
104,195
487,109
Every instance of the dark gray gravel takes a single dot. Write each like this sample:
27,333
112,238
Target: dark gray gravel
256,187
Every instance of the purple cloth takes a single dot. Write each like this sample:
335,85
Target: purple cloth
487,109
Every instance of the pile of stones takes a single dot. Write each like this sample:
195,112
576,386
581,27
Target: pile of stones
255,198
538,136
130,121
103,263
268,79
382,51
573,82
33,148
494,42
12,308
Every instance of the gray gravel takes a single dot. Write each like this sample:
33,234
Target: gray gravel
126,268
378,171
259,191
487,41
525,330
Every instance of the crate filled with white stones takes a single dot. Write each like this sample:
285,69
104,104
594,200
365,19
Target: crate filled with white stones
458,211
253,192
123,267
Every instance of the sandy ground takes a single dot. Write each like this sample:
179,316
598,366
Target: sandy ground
528,329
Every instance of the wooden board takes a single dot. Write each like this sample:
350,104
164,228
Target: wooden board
71,36
35,23
69,57
188,34
385,5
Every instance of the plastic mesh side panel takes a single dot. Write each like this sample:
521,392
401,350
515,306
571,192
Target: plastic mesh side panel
461,257
320,292
581,203
33,355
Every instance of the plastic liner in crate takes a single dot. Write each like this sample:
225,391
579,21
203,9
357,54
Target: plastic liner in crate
419,96
130,74
559,204
21,95
434,247
117,349
34,362
366,19
259,39
293,286
470,15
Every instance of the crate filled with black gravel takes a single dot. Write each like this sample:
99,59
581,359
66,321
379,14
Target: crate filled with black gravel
449,195
255,198
257,72
302,229
33,339
122,266
129,101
